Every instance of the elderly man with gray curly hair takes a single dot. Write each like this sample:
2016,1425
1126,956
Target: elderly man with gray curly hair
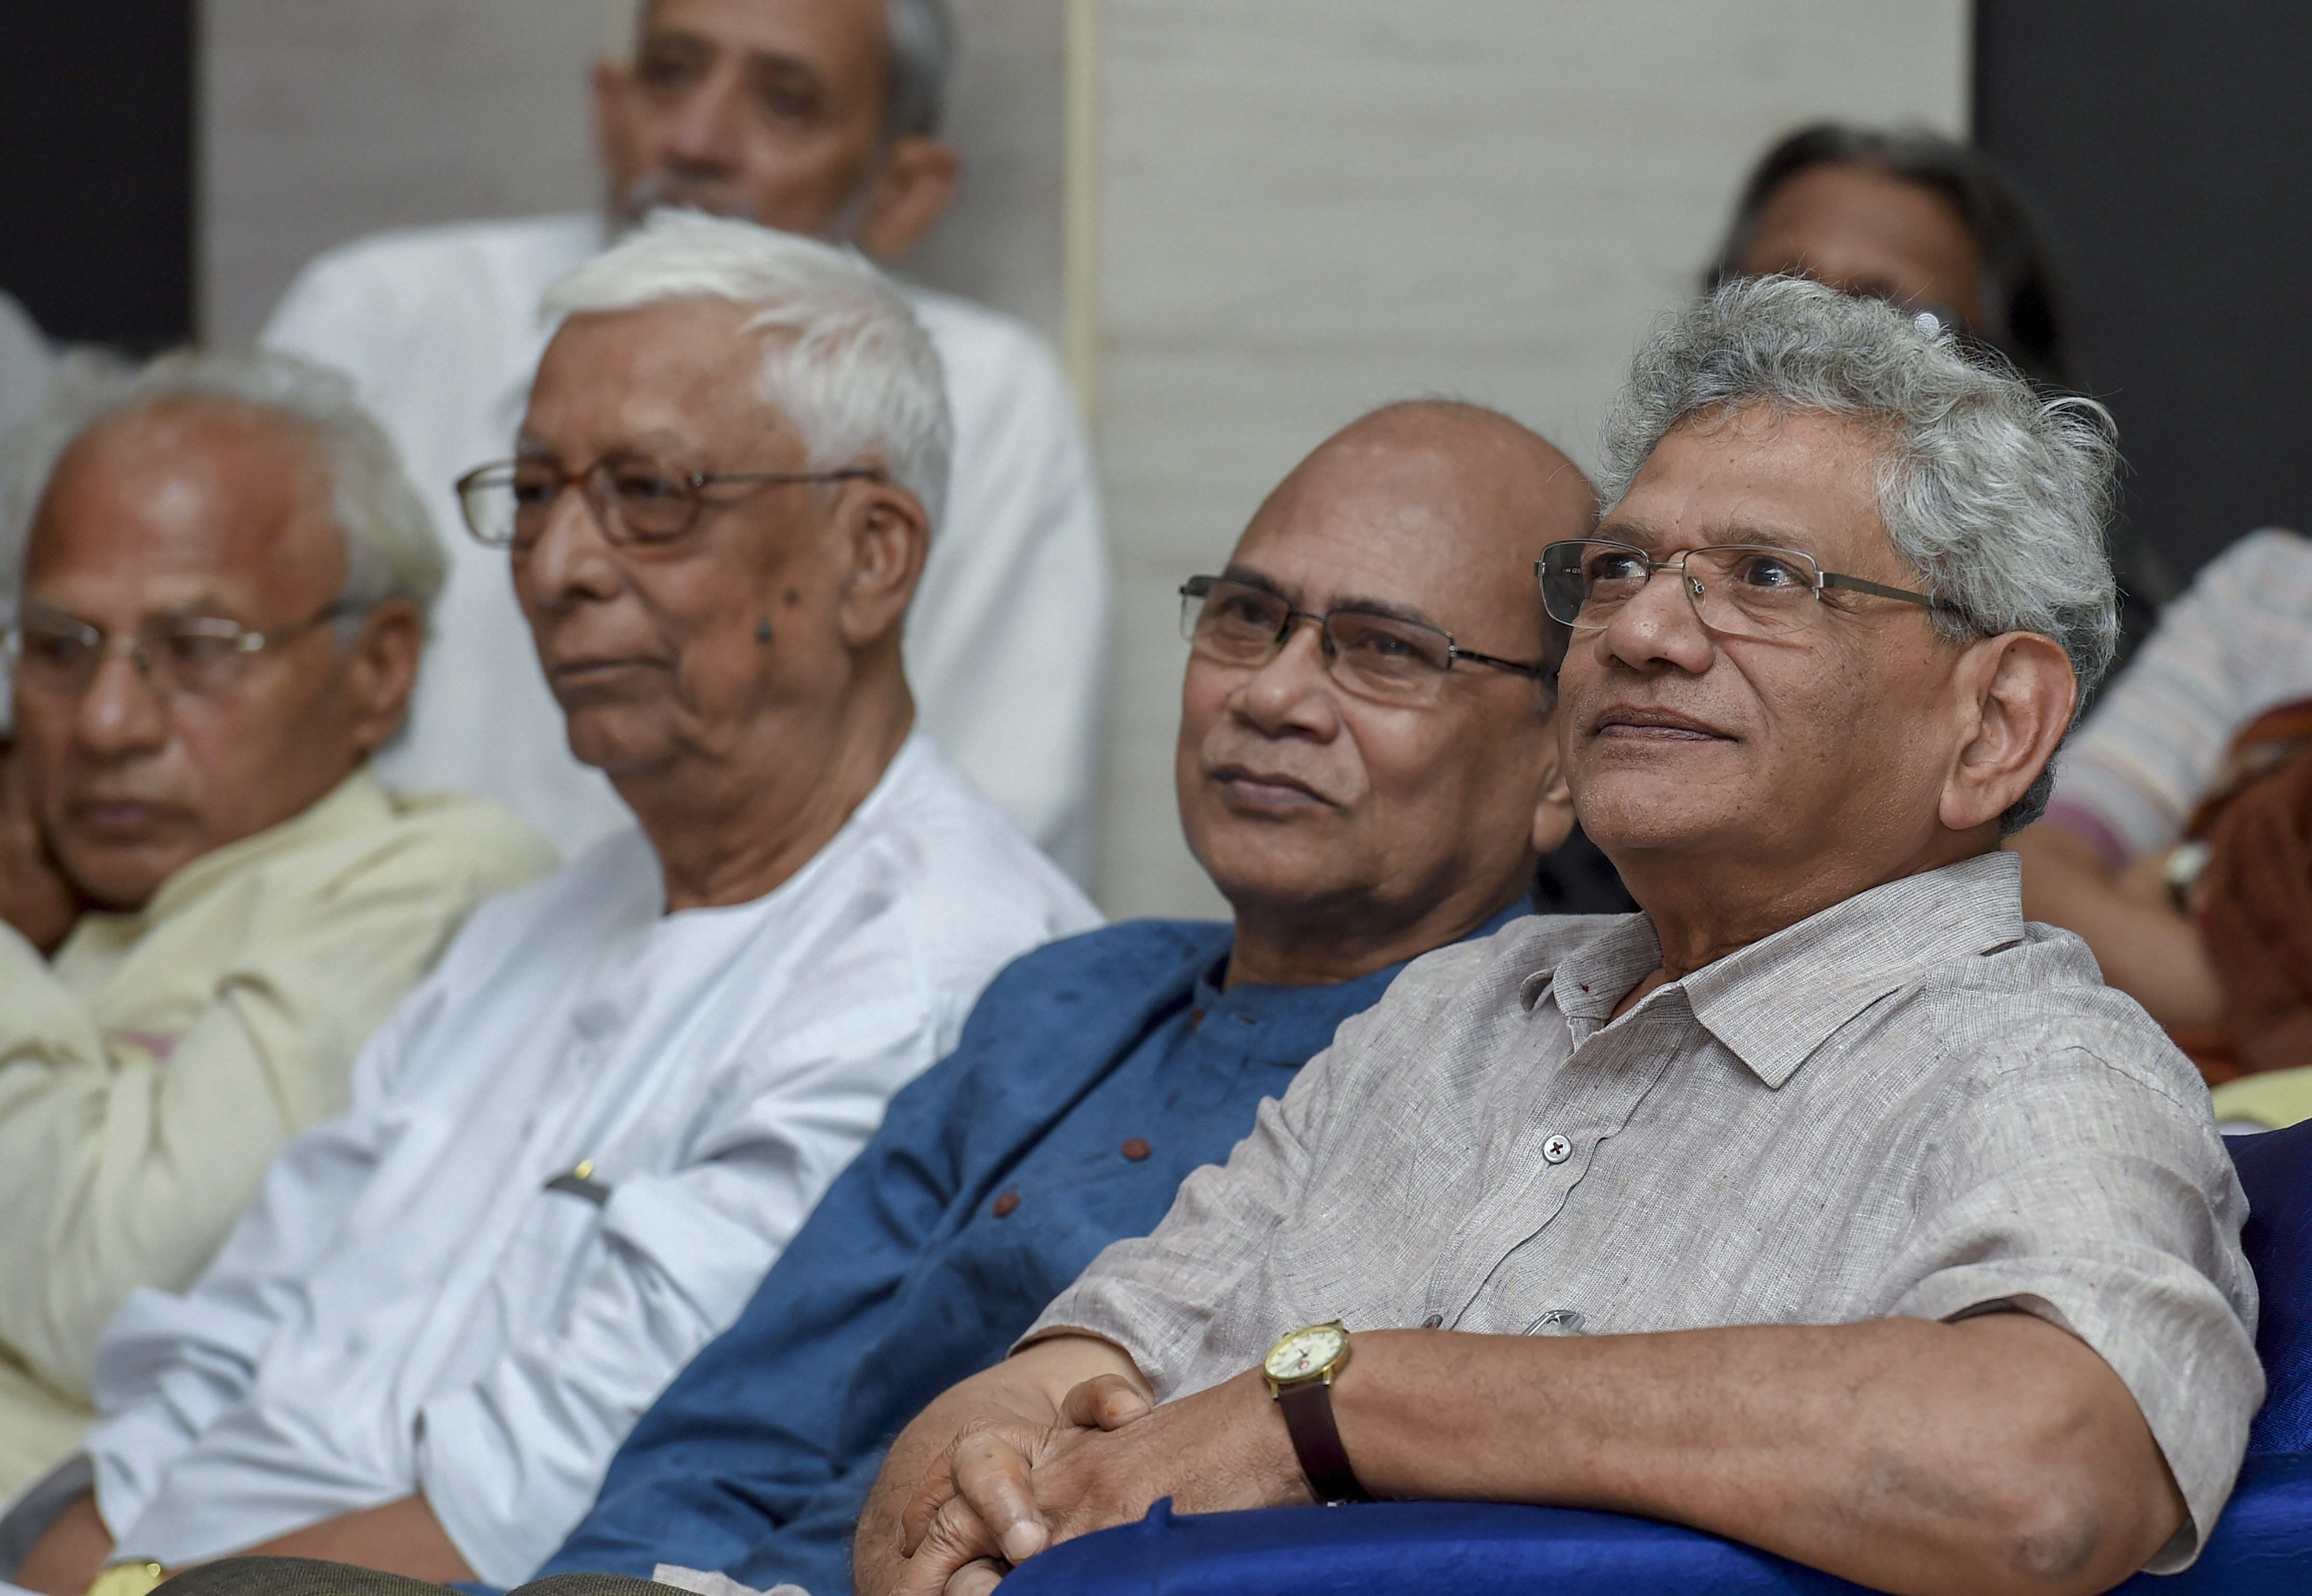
219,580
1826,1204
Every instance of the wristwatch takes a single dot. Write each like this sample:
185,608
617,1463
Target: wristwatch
128,1579
1299,1369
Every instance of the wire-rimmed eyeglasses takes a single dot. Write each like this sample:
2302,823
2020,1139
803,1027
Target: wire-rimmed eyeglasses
1738,590
1379,656
506,503
56,655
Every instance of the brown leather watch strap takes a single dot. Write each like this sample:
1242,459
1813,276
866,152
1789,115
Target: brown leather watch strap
1307,1408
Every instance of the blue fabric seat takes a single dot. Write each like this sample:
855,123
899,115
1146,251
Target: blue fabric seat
2262,1545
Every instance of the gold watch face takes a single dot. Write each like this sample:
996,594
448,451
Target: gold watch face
1305,1353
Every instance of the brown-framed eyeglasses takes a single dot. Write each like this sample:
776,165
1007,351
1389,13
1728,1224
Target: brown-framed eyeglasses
1378,656
506,503
1738,589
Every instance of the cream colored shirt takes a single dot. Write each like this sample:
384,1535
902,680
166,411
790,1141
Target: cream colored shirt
149,1073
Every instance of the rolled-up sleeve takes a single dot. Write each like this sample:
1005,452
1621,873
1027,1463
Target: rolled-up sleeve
511,1463
2076,1192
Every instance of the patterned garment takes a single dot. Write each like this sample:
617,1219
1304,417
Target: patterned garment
2237,644
1910,1104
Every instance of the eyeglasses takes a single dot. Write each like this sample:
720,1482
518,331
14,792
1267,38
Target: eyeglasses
1376,655
1736,589
505,505
58,655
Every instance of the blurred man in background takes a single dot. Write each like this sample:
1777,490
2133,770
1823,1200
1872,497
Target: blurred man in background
570,1155
222,580
818,117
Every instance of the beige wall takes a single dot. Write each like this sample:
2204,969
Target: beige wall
1307,207
1286,211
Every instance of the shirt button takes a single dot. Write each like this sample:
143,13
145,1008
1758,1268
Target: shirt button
1557,1149
1137,1150
1434,1321
1003,1205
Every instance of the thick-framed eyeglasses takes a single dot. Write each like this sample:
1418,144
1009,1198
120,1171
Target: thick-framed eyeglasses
1738,589
635,503
1379,657
58,655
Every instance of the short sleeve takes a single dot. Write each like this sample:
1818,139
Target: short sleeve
2097,1199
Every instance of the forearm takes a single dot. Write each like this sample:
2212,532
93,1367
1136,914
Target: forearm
70,1553
401,1538
2151,951
1993,1455
1028,1388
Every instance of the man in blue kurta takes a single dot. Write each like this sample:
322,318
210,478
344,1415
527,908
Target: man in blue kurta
1366,770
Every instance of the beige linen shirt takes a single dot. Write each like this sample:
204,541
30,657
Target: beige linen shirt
1912,1104
148,1074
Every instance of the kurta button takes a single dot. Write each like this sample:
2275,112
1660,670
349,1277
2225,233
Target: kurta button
1434,1321
1557,1149
1003,1205
1137,1150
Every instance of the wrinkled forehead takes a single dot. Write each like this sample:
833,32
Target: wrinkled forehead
688,373
1414,525
1795,479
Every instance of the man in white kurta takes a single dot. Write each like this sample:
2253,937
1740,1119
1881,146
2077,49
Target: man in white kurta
574,1151
439,330
427,1294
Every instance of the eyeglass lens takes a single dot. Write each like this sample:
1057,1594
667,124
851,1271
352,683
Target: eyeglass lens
1738,590
194,655
1374,655
633,502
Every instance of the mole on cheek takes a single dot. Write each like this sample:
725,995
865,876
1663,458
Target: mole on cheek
762,632
793,599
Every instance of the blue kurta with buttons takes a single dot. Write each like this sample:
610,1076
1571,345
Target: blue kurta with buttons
1092,1076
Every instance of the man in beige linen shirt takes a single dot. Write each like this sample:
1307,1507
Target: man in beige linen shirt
1827,1204
220,581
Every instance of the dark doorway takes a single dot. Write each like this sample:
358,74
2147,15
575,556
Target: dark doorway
96,169
2170,147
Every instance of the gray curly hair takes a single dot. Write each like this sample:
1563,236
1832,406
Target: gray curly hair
1997,498
391,548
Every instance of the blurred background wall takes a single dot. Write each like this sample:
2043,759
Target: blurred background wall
1246,220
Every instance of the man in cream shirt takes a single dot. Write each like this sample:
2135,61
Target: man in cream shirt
221,581
818,117
573,1152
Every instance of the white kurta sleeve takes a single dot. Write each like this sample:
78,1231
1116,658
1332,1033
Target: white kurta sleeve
167,1364
1007,643
511,1463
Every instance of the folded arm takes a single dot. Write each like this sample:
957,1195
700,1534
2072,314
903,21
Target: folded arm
1996,1454
2148,947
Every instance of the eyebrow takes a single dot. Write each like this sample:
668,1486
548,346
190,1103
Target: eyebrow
1639,535
1386,608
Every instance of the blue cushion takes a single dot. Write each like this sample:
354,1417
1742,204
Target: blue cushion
2261,1548
2276,1169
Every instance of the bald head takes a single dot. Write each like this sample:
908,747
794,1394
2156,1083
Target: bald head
1363,824
1453,497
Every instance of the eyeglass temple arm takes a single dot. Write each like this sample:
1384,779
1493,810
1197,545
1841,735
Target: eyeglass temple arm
1832,579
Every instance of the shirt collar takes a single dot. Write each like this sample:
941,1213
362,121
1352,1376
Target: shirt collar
1292,1024
1777,1000
358,804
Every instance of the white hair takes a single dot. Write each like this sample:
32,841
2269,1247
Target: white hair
391,548
1997,498
844,359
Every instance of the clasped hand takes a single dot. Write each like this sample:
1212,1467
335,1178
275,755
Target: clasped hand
1007,1488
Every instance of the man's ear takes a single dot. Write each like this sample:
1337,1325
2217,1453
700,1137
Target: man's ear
2019,692
381,671
917,178
888,536
1553,812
